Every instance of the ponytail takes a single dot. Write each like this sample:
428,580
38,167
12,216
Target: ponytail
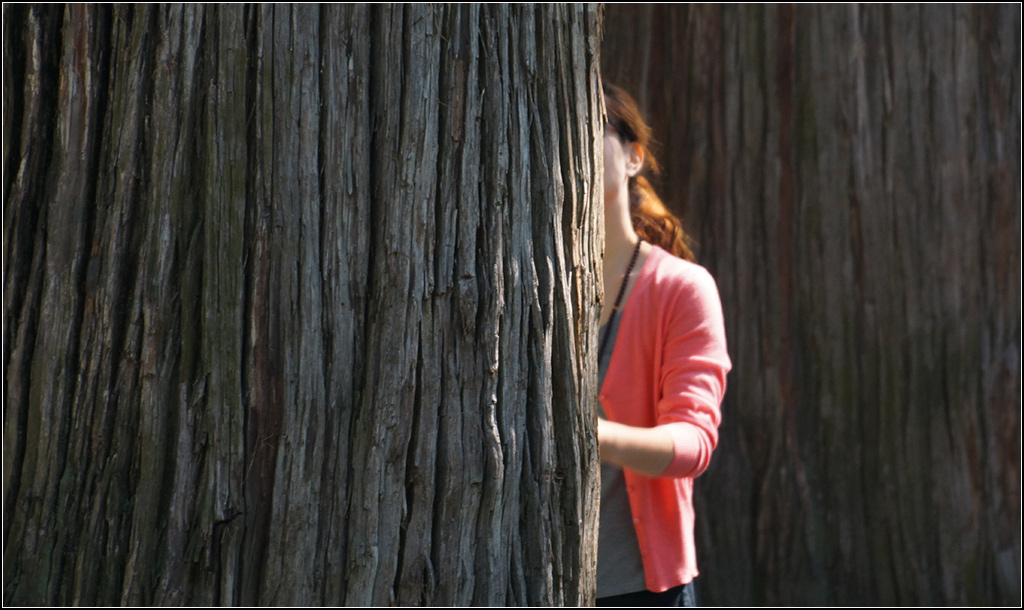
654,223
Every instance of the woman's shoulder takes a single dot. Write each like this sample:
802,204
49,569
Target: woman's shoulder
688,304
673,275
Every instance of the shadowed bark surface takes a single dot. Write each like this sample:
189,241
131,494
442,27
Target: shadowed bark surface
298,302
852,177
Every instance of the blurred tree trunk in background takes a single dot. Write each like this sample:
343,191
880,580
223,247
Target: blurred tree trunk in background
852,177
296,300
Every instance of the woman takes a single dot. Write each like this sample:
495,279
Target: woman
662,371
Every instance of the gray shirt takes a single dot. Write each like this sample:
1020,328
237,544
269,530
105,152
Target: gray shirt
620,568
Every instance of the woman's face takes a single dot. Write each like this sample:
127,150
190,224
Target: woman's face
622,160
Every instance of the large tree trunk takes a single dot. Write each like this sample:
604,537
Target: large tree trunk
852,176
298,304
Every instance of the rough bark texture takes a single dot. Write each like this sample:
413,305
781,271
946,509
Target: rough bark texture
852,176
298,303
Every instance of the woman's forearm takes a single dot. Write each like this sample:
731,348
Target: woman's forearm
647,451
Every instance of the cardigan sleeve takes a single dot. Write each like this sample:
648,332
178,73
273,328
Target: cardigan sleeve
693,374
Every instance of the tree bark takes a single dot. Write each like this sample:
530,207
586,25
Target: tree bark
299,303
852,176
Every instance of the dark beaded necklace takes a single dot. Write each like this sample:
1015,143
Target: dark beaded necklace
618,299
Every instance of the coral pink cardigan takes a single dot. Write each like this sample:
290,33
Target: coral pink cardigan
668,369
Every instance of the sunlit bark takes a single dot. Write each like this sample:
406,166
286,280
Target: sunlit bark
298,304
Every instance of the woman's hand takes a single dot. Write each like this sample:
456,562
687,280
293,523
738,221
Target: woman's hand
647,451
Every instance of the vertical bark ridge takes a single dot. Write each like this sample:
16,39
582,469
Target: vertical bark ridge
260,437
73,508
24,217
494,290
60,307
345,179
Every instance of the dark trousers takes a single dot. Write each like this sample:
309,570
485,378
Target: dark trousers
682,596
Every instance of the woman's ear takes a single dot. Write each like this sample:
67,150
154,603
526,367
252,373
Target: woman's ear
635,162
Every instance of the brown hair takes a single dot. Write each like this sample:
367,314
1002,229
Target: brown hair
651,219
